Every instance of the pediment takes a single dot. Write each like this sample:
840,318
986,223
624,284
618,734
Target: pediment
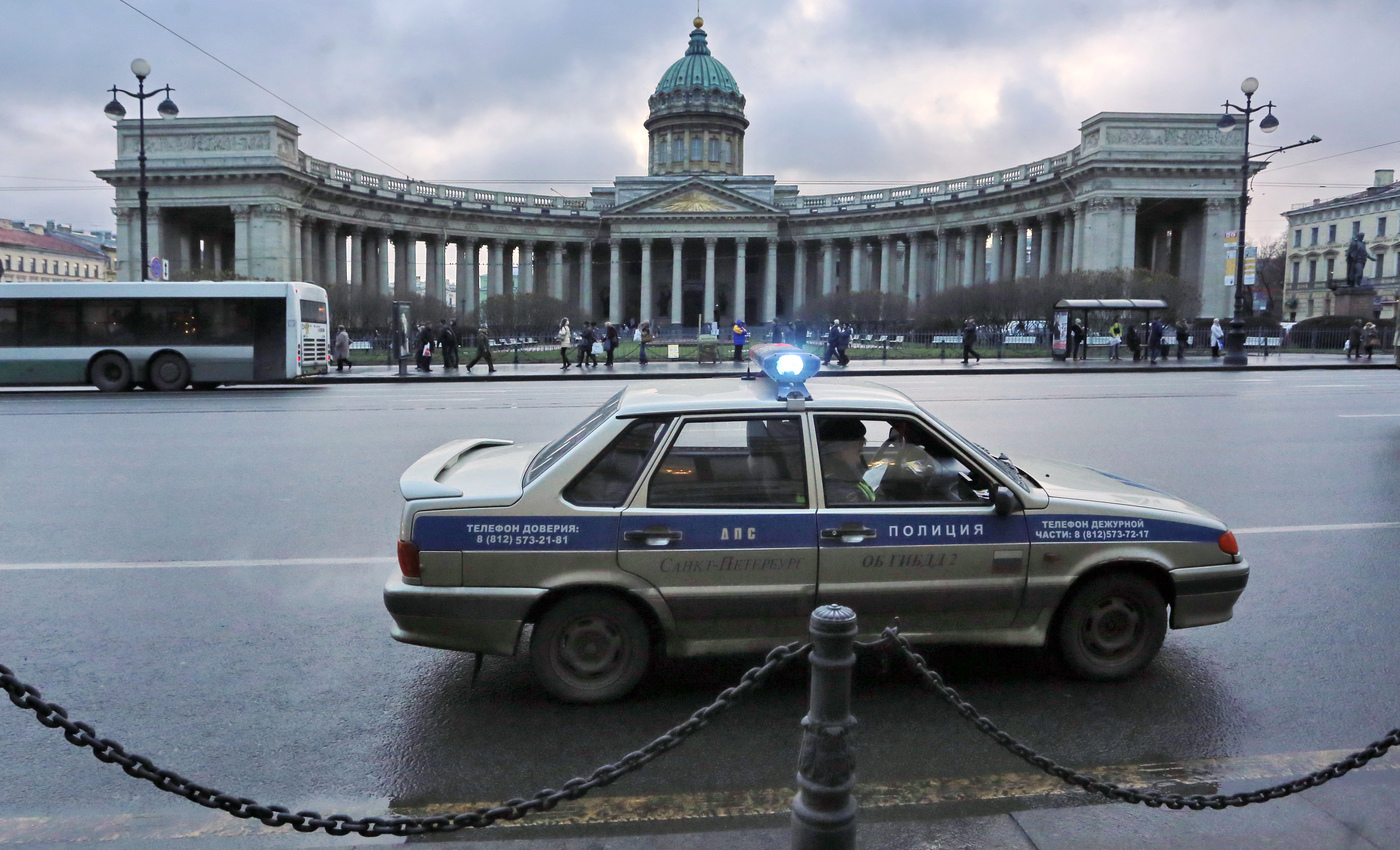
694,197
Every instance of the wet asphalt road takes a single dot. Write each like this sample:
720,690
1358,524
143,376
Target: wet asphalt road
274,676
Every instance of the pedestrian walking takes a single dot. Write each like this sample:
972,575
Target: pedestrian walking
423,345
1354,340
483,350
1369,336
843,341
611,339
447,338
1154,340
341,350
1217,338
1115,339
1134,341
566,340
741,335
587,339
644,336
969,334
832,334
1183,338
800,331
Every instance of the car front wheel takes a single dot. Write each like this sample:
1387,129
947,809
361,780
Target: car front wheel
1112,626
590,648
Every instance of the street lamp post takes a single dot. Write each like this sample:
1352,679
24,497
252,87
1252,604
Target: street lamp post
1235,339
167,109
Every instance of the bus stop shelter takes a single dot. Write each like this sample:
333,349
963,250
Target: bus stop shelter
1080,308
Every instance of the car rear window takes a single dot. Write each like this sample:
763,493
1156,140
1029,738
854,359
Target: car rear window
565,444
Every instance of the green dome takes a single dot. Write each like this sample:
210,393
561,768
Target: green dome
697,69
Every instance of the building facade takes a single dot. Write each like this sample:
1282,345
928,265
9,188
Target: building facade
37,252
1318,235
696,239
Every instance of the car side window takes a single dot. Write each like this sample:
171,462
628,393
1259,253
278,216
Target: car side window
733,463
606,481
894,460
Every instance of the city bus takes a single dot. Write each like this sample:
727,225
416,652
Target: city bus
160,335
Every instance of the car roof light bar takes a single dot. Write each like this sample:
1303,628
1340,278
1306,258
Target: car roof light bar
787,366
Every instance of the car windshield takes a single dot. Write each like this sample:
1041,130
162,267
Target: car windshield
1001,461
562,446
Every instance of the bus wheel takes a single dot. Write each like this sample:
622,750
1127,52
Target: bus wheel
110,372
169,372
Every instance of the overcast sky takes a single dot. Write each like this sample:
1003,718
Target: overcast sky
888,92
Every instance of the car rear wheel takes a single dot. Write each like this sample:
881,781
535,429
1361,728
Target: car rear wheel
1112,626
110,373
169,372
590,648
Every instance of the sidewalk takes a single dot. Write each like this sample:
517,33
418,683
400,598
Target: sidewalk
873,368
1359,810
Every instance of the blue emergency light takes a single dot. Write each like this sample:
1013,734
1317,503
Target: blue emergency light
787,366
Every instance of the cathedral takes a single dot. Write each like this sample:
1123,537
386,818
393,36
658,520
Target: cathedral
695,239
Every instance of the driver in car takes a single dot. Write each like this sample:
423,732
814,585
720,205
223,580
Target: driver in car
908,472
841,440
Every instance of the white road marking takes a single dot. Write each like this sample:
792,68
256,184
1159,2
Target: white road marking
244,562
1366,415
1345,526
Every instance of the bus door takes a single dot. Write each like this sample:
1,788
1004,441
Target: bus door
270,339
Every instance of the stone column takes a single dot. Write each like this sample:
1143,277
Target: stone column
1129,236
857,264
912,280
828,267
646,308
467,282
615,281
556,271
994,268
799,276
741,275
381,259
1221,215
527,267
770,282
295,245
585,284
308,250
354,273
970,235
326,270
439,248
1080,234
242,213
707,311
941,262
886,260
677,255
1064,253
1044,245
1018,265
495,269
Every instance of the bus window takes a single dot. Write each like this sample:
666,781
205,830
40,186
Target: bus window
107,321
313,311
9,324
48,322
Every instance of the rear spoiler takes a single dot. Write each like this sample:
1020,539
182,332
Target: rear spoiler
420,481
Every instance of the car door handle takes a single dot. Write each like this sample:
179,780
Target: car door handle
849,533
653,536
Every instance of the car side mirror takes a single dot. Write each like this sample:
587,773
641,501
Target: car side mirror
1004,500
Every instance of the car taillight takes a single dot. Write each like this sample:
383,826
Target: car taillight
1228,544
408,559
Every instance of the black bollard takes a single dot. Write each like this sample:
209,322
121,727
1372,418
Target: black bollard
824,810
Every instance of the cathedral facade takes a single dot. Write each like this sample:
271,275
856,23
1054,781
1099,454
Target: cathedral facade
695,239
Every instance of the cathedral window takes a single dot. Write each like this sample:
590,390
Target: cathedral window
714,150
726,152
678,150
697,154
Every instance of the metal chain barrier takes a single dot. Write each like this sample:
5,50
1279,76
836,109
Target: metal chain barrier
83,735
1195,802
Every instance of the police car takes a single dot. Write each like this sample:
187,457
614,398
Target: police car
713,516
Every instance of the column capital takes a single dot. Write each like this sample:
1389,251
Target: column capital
677,242
885,238
528,243
827,242
1131,203
771,240
615,242
243,209
1104,203
711,241
357,229
1217,204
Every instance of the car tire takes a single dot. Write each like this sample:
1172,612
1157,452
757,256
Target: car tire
169,372
590,648
110,373
1112,626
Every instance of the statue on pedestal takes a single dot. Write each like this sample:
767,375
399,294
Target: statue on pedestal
1357,255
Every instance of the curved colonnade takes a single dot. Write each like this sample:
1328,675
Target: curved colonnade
1141,190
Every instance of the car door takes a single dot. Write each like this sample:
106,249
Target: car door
724,528
907,528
